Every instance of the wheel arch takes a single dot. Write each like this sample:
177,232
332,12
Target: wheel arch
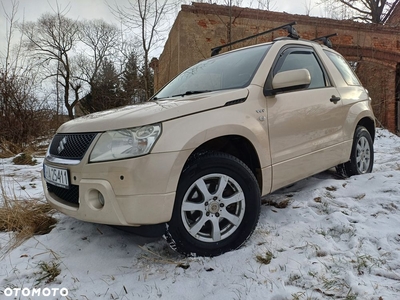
369,124
235,145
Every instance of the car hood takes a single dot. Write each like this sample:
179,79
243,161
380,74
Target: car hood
152,112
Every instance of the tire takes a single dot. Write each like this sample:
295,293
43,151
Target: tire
217,206
362,154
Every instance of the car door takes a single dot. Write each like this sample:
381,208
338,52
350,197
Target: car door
304,124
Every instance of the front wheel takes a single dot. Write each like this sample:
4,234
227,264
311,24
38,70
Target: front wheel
217,206
362,154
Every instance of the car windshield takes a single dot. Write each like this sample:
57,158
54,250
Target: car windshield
227,71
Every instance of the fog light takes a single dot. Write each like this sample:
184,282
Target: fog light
101,199
95,199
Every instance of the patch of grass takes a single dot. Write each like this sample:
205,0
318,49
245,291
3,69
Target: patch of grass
48,272
292,279
24,159
163,256
278,203
390,207
325,208
298,296
359,197
39,146
329,195
323,204
365,263
337,231
266,258
312,274
25,218
332,283
351,296
331,188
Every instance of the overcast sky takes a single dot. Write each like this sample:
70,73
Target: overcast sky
31,10
89,9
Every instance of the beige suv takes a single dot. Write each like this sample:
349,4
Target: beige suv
196,158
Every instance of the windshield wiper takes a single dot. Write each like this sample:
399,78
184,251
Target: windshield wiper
156,98
191,93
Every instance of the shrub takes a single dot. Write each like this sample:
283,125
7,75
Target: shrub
24,159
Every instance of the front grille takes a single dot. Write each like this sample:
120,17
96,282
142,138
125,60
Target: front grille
71,146
70,195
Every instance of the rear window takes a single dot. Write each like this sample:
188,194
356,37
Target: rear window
344,68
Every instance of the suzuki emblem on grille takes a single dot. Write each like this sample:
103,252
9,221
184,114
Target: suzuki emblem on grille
61,145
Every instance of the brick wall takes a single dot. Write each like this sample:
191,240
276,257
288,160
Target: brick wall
379,79
200,27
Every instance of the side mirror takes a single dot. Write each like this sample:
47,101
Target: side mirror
291,80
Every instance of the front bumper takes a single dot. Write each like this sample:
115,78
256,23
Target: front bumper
137,191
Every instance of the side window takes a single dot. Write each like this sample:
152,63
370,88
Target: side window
302,59
343,67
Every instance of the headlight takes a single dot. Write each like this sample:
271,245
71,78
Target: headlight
125,143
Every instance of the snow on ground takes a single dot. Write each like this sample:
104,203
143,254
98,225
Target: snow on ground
322,238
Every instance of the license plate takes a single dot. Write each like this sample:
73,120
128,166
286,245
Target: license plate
56,176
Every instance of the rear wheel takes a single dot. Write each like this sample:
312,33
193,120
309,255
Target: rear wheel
362,154
217,206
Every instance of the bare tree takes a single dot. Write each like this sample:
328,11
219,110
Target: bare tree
22,114
371,11
231,16
53,38
266,4
148,19
229,4
10,18
309,5
102,40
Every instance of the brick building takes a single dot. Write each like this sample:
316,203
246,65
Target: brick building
375,49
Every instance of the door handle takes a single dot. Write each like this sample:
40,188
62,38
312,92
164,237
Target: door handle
335,99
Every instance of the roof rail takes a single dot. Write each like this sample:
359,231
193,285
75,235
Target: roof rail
325,39
289,27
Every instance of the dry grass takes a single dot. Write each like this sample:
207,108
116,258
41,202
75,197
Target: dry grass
24,218
277,202
24,159
265,259
27,218
9,149
48,272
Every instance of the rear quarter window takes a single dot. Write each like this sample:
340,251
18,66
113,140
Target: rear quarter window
343,67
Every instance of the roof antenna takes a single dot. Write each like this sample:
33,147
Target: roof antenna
325,39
